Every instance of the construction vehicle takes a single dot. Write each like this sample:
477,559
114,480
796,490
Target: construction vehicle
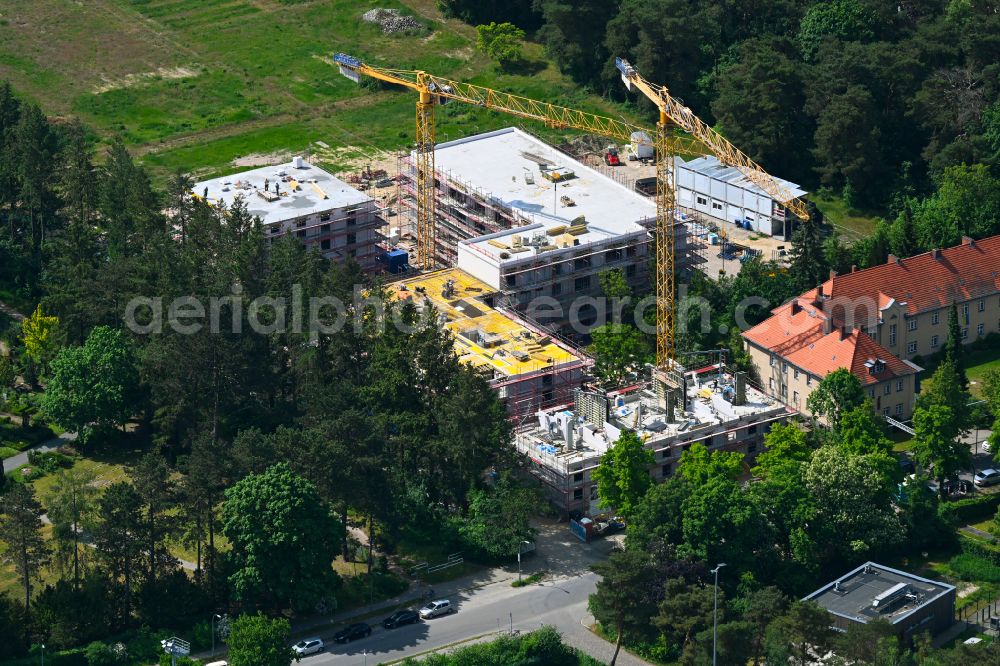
434,90
611,157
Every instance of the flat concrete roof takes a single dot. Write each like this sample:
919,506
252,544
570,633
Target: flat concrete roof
304,190
851,596
505,165
709,165
484,337
708,410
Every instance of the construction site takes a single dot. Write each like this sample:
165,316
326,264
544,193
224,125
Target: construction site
528,367
714,407
301,199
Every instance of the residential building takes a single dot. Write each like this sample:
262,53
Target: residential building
532,222
879,323
709,187
528,367
299,198
719,409
910,604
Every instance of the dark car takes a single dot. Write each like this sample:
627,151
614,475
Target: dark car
399,618
352,632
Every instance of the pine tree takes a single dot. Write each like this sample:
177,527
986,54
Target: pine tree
21,530
953,349
808,260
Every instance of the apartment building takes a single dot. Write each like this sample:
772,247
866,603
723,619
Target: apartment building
527,367
299,198
532,222
717,408
878,322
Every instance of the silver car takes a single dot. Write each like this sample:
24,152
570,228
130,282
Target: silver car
986,477
436,608
308,646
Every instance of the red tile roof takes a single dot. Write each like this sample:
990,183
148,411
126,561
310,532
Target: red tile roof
834,351
927,281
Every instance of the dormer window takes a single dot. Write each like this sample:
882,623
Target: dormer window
875,366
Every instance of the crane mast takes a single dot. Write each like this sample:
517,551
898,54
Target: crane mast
434,90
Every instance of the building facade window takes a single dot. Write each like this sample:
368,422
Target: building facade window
911,348
899,385
935,318
934,341
899,409
979,330
982,305
701,200
809,380
774,361
578,494
892,335
965,312
885,411
795,397
796,373
871,393
887,389
911,324
324,244
770,384
965,332
582,283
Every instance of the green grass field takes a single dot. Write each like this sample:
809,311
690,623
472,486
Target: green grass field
196,84
850,223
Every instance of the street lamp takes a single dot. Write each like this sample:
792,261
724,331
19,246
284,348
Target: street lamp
43,654
519,551
715,613
215,616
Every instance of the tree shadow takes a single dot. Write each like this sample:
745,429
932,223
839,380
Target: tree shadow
524,67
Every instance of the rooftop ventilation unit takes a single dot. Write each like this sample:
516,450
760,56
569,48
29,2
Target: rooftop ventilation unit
885,599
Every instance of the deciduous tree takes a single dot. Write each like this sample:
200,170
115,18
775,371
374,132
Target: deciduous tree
93,386
284,539
498,519
500,41
256,640
622,475
71,503
838,393
618,351
622,601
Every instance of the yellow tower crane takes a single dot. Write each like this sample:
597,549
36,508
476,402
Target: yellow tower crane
434,90
674,114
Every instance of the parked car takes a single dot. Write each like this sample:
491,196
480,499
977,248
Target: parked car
308,646
401,617
217,663
352,632
987,477
436,608
985,446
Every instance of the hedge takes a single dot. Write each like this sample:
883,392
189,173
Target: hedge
973,509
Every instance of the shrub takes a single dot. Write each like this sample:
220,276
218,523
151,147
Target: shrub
971,567
49,461
973,509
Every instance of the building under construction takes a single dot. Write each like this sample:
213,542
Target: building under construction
299,198
715,407
531,221
528,367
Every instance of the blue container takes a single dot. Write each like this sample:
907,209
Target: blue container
747,225
396,260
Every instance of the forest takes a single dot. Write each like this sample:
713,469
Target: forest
870,100
370,422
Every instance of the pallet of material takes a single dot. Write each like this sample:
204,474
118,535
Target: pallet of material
495,243
555,231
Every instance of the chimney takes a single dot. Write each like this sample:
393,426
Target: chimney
827,326
833,273
854,268
796,308
845,332
893,259
968,240
936,253
819,293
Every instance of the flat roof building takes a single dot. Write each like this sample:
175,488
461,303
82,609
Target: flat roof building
532,222
527,366
302,199
565,444
712,188
911,604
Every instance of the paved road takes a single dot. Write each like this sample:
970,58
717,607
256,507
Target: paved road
51,445
561,602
